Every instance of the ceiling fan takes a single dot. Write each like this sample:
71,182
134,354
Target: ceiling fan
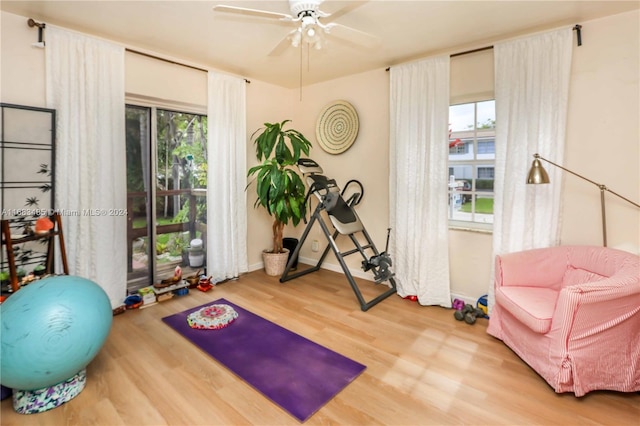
312,24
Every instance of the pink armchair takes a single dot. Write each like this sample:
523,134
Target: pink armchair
573,314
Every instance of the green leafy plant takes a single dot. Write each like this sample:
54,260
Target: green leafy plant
178,244
279,188
161,248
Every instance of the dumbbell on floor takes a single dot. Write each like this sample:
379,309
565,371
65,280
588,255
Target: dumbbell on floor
468,313
459,314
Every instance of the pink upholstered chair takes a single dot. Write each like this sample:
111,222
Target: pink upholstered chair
573,314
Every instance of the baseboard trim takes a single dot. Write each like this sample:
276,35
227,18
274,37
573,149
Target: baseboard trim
309,261
466,299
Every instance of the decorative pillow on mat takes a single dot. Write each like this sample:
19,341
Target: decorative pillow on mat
212,317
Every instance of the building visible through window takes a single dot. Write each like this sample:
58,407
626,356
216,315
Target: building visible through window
471,163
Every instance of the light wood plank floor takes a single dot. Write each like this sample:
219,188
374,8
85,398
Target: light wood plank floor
423,367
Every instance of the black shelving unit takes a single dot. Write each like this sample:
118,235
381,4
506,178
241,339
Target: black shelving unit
13,238
27,190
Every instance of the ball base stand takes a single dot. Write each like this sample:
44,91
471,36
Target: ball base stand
41,400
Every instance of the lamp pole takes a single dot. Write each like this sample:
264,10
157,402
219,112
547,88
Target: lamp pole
602,188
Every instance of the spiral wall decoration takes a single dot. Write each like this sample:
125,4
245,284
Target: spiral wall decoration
337,127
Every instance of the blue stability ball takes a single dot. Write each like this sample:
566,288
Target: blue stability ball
51,329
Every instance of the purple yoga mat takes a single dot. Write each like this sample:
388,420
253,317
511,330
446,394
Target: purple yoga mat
292,371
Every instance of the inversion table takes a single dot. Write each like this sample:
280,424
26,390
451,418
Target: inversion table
345,222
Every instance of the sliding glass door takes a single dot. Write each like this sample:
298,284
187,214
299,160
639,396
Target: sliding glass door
166,193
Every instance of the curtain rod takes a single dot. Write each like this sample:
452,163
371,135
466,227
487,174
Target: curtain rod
42,25
148,55
577,28
466,52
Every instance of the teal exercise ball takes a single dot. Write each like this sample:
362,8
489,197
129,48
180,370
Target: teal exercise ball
51,329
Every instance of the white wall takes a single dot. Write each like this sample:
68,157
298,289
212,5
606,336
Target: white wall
603,133
23,80
266,103
603,140
147,78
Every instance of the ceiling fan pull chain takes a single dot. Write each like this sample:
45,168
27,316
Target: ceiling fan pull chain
301,73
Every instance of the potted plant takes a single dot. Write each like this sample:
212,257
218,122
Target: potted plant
179,245
39,270
279,187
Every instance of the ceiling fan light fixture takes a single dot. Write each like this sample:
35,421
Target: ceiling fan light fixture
311,35
296,38
310,30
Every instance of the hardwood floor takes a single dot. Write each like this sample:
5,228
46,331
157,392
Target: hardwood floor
423,367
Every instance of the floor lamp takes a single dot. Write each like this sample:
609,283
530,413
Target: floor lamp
538,174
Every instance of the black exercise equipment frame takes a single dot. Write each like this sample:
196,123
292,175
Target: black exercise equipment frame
331,245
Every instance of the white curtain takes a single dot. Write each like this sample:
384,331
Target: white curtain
531,92
226,179
419,106
85,85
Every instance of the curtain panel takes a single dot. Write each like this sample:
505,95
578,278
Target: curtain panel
531,90
419,108
226,178
85,84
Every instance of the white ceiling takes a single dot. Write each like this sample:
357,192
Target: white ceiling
192,32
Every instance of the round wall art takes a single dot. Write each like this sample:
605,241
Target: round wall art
337,127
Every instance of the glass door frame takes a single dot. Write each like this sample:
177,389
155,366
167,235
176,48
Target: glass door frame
152,106
150,193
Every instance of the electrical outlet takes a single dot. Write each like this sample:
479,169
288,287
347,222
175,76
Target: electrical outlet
315,245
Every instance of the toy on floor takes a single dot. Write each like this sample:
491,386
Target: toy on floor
457,304
51,330
133,301
482,305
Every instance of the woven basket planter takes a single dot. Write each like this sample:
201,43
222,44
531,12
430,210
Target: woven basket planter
275,263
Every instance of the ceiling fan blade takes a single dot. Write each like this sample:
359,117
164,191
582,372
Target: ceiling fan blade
341,12
353,36
284,44
252,12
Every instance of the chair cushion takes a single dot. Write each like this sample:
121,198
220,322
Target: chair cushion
533,306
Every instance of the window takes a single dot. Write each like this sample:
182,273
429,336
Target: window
166,162
486,146
485,172
471,164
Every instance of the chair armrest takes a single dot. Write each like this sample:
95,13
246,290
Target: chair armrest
597,327
588,309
